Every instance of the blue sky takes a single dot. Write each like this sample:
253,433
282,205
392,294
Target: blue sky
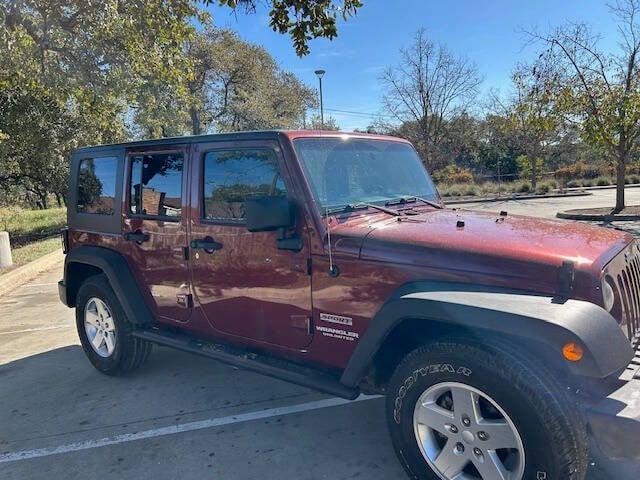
489,32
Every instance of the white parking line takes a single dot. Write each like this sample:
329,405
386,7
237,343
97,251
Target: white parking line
173,429
36,329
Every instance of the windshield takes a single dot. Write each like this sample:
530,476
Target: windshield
359,170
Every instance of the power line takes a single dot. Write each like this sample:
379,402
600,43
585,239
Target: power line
359,114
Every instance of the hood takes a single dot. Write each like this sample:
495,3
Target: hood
463,245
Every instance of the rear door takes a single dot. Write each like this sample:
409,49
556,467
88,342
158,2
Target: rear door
246,286
155,226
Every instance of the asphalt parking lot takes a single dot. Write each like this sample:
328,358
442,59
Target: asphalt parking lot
179,416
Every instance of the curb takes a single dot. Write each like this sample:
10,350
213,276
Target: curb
21,275
518,197
597,218
601,187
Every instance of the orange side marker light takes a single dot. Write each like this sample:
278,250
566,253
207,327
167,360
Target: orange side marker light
572,352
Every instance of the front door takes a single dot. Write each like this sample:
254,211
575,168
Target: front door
155,230
246,286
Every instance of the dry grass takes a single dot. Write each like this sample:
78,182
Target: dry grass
33,251
25,226
491,189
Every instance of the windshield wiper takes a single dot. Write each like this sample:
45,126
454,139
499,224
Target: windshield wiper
412,199
360,206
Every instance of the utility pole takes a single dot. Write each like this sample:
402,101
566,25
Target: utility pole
320,74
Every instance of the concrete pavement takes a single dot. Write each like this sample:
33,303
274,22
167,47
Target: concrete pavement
180,416
548,207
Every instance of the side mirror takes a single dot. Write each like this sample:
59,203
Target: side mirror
263,214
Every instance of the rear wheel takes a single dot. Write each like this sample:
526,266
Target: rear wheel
105,331
463,411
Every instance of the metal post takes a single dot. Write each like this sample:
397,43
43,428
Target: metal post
6,260
320,74
321,106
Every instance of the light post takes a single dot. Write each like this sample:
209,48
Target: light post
320,74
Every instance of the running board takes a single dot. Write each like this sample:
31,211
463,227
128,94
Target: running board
266,365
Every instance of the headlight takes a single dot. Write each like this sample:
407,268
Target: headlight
608,296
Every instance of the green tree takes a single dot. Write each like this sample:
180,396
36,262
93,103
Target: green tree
69,70
600,91
303,20
36,133
229,85
315,123
530,117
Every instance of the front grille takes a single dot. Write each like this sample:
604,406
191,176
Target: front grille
625,273
633,369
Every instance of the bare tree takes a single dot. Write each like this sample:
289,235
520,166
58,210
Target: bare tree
428,87
601,90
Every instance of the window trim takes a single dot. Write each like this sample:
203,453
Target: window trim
115,185
143,216
230,221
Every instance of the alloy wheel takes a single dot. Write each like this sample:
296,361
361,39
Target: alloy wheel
464,434
100,327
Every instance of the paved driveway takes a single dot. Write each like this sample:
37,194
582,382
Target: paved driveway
548,207
180,416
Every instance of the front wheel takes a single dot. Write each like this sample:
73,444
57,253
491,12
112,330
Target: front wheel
462,411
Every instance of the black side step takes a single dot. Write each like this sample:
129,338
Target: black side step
255,362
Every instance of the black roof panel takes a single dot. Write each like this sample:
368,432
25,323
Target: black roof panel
217,137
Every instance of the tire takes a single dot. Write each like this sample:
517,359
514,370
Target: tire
516,393
123,353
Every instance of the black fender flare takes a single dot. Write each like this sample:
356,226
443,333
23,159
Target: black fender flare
550,320
120,277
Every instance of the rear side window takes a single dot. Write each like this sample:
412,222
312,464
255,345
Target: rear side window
97,185
156,185
232,176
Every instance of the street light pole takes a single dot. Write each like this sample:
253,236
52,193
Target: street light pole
320,74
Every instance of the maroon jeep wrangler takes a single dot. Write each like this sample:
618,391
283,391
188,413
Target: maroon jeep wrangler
325,259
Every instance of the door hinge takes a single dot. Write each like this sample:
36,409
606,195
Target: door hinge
185,300
302,322
567,278
309,325
309,266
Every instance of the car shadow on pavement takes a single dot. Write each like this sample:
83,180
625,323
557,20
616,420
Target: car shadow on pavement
56,398
169,386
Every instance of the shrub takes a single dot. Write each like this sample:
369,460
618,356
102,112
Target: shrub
602,181
608,170
633,168
453,174
587,183
569,173
635,178
591,171
471,191
543,189
573,184
524,187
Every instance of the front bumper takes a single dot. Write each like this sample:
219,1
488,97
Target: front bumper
614,422
62,292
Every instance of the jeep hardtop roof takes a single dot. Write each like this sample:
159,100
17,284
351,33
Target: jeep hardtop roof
220,137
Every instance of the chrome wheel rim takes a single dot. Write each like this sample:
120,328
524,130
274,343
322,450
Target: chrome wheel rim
464,434
99,327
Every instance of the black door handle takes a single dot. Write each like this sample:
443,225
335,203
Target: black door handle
136,236
207,244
